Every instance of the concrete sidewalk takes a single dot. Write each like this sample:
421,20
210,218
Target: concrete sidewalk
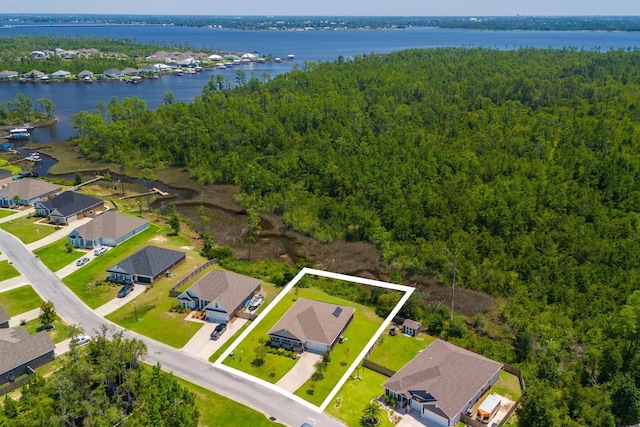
18,214
13,283
58,234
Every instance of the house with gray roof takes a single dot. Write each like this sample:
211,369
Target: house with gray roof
26,191
311,325
109,228
220,293
442,382
145,266
84,74
4,318
61,74
113,73
21,353
8,74
68,207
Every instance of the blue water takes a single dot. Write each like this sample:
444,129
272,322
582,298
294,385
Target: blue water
70,98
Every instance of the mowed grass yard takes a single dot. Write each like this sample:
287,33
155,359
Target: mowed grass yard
56,255
20,300
395,352
354,395
7,271
154,318
27,230
86,282
6,212
358,333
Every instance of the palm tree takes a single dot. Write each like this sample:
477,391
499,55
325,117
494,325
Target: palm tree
371,413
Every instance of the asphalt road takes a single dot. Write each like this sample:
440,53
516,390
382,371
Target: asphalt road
73,311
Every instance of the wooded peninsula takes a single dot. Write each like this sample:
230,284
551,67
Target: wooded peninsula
521,168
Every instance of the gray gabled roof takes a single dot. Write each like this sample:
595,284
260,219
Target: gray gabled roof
452,375
17,347
311,320
148,261
28,188
412,324
110,225
69,203
227,288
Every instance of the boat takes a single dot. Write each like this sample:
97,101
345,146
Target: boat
221,67
34,157
45,79
88,79
22,80
19,133
191,70
277,59
291,57
179,73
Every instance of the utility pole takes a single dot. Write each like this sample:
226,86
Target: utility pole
453,277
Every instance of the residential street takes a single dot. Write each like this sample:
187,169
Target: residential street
70,308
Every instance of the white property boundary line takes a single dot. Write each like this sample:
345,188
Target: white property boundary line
408,290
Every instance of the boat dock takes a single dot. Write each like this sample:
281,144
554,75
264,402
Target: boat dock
153,191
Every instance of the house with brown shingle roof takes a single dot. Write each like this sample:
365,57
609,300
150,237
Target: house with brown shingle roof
21,353
28,192
442,382
311,325
107,229
4,318
220,293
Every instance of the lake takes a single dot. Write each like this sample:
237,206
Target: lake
69,98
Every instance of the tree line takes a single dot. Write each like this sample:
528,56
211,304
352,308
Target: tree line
525,163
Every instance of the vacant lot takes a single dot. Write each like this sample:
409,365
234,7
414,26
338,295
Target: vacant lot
27,230
20,300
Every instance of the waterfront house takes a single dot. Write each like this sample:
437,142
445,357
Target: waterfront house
442,382
130,71
26,191
110,228
68,207
85,74
8,74
113,73
145,266
220,293
34,74
61,74
311,325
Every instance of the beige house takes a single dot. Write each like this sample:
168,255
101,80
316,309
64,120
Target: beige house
442,382
107,229
311,325
26,191
220,293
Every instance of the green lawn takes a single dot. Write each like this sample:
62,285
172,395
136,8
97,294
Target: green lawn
20,300
395,352
6,212
85,282
358,333
27,230
508,386
7,271
59,333
354,395
56,255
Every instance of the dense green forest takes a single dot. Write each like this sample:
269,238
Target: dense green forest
522,165
102,384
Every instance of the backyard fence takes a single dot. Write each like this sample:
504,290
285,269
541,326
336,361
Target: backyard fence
8,388
514,371
378,368
173,293
249,316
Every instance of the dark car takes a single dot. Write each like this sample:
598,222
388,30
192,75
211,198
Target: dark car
219,329
124,291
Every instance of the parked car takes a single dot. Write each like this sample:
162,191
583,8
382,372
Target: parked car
82,261
219,329
99,251
125,290
82,339
47,327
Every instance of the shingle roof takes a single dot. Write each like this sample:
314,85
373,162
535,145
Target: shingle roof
110,224
4,317
70,203
28,188
149,261
17,347
411,324
226,288
449,373
311,320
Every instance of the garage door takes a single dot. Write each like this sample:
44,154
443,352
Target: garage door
217,316
435,418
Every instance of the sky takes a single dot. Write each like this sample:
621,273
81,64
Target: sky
329,7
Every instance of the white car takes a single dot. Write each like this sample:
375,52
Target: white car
82,339
99,251
82,261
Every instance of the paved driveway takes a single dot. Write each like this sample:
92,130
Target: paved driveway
116,303
300,373
202,346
